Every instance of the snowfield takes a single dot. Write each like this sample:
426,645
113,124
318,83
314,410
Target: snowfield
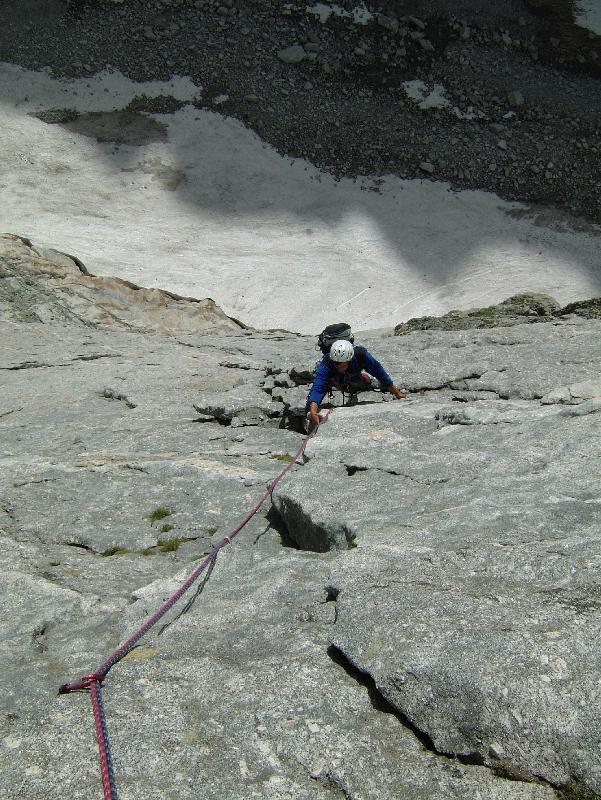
210,210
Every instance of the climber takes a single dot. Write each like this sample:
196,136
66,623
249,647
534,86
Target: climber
349,369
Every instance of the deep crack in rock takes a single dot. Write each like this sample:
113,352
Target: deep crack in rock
501,767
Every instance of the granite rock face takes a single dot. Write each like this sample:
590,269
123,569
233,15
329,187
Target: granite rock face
469,593
416,617
39,284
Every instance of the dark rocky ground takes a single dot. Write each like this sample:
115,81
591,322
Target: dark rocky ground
526,73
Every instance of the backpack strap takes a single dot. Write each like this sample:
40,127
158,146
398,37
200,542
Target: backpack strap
361,355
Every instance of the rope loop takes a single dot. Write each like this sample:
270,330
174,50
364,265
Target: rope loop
83,685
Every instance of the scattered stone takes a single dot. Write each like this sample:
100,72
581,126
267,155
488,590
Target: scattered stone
388,23
515,99
244,405
575,394
418,23
292,55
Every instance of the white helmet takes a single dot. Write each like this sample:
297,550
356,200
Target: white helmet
341,351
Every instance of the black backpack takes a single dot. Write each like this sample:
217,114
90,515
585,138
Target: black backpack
331,334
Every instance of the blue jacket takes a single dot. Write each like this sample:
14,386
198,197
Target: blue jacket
326,375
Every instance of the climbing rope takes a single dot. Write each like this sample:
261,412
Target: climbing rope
93,682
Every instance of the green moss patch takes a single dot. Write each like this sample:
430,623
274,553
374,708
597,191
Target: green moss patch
55,116
519,309
114,551
576,791
159,513
164,104
591,309
170,545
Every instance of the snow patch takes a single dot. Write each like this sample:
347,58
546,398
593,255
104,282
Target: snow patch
212,211
360,15
427,98
105,91
588,15
417,90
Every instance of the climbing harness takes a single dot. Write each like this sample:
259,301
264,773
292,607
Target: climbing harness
93,681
